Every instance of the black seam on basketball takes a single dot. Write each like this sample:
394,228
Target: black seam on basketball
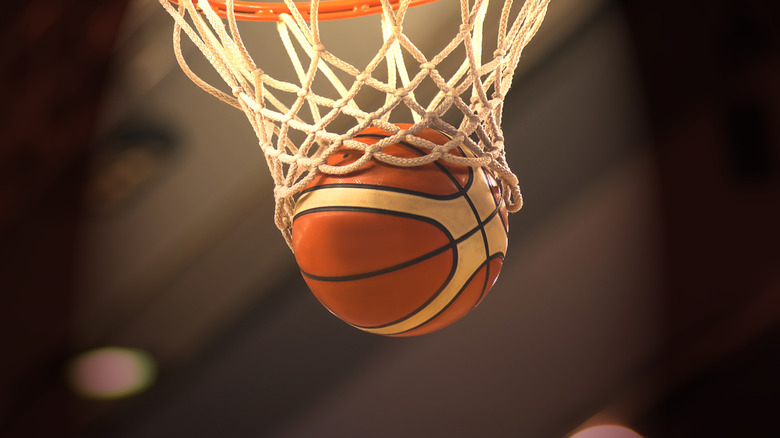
454,244
504,225
447,306
487,250
484,243
429,300
485,283
396,213
382,271
386,189
482,224
498,255
401,214
452,241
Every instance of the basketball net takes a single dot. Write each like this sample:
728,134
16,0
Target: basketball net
476,91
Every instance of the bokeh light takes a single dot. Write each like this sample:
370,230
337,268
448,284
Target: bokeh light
606,431
111,373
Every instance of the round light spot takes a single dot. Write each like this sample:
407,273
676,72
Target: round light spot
606,431
111,373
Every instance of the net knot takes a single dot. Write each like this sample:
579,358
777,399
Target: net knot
427,66
259,77
280,191
499,53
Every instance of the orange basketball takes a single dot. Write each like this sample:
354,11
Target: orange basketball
400,251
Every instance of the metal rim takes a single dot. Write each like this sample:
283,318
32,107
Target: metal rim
328,9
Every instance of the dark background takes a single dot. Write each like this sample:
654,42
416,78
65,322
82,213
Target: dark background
708,84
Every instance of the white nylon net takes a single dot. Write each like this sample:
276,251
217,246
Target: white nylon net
295,124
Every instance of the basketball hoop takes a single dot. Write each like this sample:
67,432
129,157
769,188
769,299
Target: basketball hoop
279,108
326,10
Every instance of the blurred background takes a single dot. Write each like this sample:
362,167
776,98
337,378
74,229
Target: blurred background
641,287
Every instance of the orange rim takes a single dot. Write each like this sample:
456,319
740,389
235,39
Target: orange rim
328,9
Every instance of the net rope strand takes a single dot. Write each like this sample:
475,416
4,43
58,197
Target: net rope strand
278,109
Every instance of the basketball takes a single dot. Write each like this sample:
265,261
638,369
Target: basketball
400,251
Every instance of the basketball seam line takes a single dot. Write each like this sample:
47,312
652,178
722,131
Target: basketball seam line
504,228
499,255
385,188
453,243
457,295
485,244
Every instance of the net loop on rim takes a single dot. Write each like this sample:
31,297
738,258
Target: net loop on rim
299,125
